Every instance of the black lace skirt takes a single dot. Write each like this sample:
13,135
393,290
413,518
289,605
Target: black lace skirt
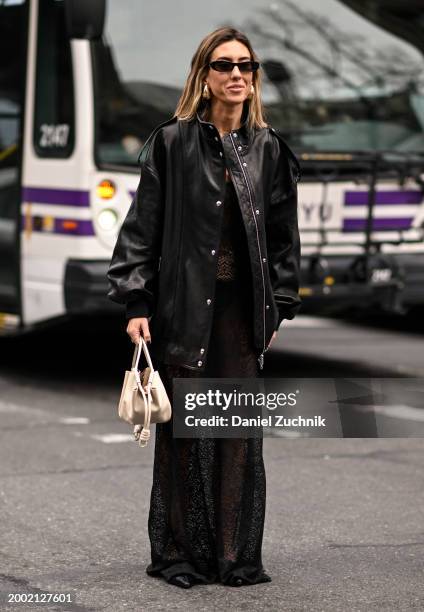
207,506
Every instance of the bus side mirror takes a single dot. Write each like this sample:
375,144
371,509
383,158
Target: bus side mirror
85,19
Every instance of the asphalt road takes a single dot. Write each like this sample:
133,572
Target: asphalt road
344,521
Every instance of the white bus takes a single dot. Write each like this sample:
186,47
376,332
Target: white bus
82,85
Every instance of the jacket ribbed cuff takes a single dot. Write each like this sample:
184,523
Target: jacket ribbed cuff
137,308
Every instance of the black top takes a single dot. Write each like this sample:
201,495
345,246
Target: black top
233,255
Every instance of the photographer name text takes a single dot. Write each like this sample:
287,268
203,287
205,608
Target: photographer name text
272,420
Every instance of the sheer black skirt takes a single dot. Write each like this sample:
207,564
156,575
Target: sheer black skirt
207,506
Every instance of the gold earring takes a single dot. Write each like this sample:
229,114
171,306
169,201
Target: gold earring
206,93
252,92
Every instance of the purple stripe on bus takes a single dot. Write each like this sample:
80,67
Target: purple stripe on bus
84,227
356,225
360,198
60,197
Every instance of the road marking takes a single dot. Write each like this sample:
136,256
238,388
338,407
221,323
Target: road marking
74,420
11,408
309,321
401,411
285,433
113,438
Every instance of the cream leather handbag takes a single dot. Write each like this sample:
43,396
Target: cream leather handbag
143,398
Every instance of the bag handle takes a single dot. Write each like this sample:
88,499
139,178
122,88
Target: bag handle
137,354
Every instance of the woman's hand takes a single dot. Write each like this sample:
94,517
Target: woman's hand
139,326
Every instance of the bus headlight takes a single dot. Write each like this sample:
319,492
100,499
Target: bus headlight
107,219
106,190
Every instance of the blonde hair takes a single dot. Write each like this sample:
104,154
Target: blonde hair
191,98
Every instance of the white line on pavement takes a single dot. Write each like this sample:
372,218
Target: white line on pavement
113,438
404,412
285,433
74,420
11,408
309,321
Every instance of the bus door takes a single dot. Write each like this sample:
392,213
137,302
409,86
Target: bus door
13,36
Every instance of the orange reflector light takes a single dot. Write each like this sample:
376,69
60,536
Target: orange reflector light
69,225
329,280
105,190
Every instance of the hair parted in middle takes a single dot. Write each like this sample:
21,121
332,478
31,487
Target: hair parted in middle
191,98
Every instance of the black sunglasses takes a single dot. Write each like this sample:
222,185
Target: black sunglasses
224,66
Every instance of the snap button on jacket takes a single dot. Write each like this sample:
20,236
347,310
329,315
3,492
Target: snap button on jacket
163,265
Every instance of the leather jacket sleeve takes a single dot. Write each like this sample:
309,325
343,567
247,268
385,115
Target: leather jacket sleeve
134,267
283,241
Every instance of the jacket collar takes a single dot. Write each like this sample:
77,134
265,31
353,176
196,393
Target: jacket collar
242,133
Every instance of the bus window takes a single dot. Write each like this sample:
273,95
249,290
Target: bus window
13,32
54,97
334,78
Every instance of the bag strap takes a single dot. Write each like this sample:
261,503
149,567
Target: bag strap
143,435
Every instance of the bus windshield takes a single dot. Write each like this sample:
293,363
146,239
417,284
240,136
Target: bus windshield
337,77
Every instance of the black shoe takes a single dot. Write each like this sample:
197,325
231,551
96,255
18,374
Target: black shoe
236,581
185,581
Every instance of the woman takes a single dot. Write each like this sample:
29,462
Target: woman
207,263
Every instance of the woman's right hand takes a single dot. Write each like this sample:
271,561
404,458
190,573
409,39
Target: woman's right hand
139,326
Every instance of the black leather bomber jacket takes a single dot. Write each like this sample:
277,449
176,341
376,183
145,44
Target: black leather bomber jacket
164,265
